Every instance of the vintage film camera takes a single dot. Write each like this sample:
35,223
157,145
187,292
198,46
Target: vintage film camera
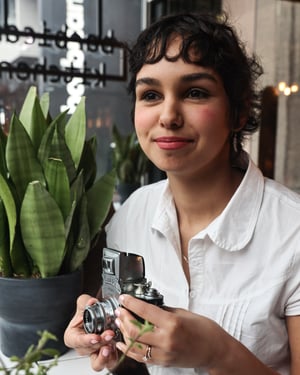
121,273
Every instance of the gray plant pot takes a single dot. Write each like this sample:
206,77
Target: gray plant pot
31,305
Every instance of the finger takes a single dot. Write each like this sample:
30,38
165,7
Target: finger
85,344
135,331
136,342
107,357
82,301
77,320
131,328
141,353
144,310
135,352
85,300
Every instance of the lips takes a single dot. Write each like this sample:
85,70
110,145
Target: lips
172,143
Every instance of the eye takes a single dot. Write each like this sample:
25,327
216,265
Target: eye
195,93
149,96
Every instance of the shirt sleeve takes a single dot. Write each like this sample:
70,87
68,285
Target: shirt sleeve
114,230
293,284
121,225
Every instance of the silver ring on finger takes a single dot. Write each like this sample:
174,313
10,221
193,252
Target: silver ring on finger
148,353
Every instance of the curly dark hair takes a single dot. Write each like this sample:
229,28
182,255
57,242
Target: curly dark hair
215,44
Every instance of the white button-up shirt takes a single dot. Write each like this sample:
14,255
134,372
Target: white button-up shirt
244,267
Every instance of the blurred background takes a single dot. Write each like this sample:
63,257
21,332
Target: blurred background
44,42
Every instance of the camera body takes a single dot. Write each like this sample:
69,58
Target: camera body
121,273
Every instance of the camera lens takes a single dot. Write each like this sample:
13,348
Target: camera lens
100,316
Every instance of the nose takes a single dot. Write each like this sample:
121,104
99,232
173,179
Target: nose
171,116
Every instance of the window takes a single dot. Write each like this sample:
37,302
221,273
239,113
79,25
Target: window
7,12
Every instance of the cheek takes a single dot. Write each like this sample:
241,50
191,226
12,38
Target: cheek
142,121
211,120
208,115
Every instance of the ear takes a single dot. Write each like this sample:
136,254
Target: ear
241,118
242,122
238,124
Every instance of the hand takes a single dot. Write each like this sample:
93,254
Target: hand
100,348
179,339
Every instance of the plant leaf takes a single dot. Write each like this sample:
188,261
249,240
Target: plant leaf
129,160
21,263
45,103
32,117
58,184
81,235
38,124
61,120
76,194
59,150
18,257
45,145
50,352
22,163
27,108
10,208
42,227
5,264
75,132
87,163
3,141
99,201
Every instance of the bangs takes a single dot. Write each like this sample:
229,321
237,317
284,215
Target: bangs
193,49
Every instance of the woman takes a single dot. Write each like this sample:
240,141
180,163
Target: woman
220,241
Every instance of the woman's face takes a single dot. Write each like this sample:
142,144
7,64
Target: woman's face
182,116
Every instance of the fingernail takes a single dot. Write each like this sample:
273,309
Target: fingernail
117,312
105,352
93,341
121,298
108,338
118,322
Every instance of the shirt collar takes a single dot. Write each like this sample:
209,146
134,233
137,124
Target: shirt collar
234,227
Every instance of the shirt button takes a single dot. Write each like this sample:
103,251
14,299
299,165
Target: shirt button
192,294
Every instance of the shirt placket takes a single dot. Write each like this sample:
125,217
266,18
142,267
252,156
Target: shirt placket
196,252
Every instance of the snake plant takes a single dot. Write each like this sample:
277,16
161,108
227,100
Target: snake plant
52,205
129,160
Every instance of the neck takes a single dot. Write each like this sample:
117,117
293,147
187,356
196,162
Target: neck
200,200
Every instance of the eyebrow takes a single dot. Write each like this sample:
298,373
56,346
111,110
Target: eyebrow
196,76
147,81
185,78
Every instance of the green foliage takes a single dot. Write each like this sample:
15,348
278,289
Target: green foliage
51,205
28,364
143,328
129,160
